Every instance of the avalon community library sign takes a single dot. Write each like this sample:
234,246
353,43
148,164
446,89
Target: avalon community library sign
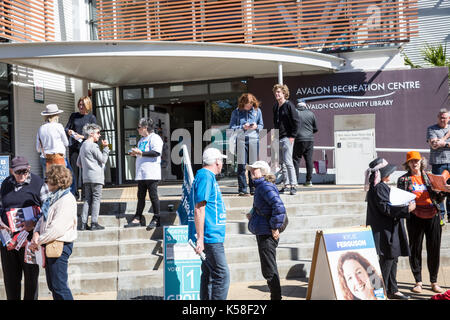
404,102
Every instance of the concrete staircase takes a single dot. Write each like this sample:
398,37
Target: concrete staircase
130,259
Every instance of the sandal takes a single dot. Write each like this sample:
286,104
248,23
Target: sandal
417,288
436,288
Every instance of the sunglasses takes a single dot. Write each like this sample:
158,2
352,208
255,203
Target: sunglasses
21,172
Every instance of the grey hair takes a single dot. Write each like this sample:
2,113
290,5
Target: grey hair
90,128
443,110
147,123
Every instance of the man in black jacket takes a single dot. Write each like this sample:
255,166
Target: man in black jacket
286,120
304,141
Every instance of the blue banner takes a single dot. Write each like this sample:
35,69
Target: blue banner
182,267
184,209
349,240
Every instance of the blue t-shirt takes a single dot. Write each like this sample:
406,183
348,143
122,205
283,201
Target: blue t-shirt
206,188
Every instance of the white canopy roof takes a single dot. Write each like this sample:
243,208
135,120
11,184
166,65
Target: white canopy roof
117,63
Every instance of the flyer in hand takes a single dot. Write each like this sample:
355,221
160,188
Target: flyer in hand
34,257
16,216
439,181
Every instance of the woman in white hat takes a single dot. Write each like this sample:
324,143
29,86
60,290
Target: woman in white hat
267,219
51,139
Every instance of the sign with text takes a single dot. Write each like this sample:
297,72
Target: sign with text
4,168
182,266
345,266
405,103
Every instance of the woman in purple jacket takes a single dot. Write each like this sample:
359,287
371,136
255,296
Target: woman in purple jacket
266,219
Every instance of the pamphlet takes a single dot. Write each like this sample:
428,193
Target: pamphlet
34,257
21,238
15,219
439,181
5,237
400,198
16,216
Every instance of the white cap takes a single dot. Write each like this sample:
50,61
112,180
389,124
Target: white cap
264,166
210,155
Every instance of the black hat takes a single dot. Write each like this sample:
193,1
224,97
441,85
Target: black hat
375,162
19,163
388,170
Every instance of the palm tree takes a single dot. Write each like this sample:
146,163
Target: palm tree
434,55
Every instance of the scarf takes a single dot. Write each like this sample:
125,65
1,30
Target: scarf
376,171
52,198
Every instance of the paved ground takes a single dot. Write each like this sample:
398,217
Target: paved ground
292,289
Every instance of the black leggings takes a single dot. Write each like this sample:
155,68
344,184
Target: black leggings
152,187
431,229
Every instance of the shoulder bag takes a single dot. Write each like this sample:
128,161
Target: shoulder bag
54,249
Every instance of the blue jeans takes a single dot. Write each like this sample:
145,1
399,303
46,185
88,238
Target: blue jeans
247,153
57,275
215,279
43,163
438,169
287,163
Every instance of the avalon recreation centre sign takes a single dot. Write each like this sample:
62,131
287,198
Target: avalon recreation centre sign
405,102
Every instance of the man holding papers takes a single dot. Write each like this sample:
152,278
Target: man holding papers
424,220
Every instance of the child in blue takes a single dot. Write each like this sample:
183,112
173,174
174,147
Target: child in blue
209,224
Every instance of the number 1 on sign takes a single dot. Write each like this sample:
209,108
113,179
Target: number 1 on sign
190,274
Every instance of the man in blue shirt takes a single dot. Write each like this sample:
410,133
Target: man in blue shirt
210,222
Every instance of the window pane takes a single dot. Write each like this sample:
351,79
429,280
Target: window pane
131,94
221,111
105,118
104,98
5,143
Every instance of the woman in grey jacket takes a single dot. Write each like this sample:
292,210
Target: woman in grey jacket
92,160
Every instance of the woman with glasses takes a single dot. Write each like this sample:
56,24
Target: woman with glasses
74,130
20,190
92,161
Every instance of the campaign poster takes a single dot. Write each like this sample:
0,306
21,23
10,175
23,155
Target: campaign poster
182,266
354,265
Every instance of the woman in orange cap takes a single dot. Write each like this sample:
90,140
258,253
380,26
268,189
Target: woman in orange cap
424,220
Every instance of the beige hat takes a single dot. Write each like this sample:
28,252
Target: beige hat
262,165
51,109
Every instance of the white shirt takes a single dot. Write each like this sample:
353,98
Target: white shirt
149,168
53,138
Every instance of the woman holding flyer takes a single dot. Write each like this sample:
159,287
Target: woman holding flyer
386,222
57,226
22,189
424,220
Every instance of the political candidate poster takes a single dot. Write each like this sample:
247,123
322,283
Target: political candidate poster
345,266
182,266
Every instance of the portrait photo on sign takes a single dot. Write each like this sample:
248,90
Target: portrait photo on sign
357,275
